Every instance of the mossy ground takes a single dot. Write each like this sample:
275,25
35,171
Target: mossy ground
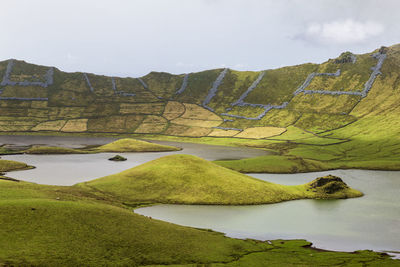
72,226
10,165
324,132
186,179
132,145
121,145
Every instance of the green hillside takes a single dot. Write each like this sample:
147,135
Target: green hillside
70,226
341,113
132,145
188,179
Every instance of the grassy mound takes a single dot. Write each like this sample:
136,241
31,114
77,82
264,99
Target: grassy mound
70,226
10,165
192,180
53,150
133,145
63,226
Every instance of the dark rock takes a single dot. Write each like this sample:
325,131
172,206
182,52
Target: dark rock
346,57
117,158
383,50
328,184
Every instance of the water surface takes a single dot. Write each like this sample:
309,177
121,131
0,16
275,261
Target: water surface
74,168
369,222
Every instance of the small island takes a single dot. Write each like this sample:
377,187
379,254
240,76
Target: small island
117,158
187,179
118,146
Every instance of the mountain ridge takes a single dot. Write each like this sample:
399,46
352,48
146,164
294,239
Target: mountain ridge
218,102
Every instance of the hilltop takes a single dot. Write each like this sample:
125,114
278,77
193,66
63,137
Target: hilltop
186,179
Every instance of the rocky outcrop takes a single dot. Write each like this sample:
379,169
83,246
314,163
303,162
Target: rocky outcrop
328,185
346,57
117,158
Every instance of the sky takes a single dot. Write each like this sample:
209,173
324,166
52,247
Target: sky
134,37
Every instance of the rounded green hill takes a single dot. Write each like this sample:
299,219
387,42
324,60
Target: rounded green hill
133,145
191,180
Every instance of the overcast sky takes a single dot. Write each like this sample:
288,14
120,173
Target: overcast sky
134,37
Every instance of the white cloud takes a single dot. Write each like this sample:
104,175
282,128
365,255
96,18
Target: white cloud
342,31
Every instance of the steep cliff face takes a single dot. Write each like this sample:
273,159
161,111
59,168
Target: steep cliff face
221,102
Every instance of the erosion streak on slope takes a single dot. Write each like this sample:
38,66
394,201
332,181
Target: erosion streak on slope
213,90
143,83
240,102
367,86
249,90
121,93
302,89
88,82
310,77
266,108
114,86
184,85
376,71
147,88
6,78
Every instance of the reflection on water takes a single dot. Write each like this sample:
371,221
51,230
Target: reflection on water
369,222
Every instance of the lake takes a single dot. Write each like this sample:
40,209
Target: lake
76,168
369,222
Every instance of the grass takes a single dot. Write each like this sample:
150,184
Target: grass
10,165
275,164
120,145
261,132
133,145
78,226
85,232
62,226
53,150
187,179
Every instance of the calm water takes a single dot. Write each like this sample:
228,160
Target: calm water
72,169
369,222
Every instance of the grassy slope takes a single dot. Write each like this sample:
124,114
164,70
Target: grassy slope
121,145
132,145
192,180
372,141
53,150
70,98
80,230
71,226
10,165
